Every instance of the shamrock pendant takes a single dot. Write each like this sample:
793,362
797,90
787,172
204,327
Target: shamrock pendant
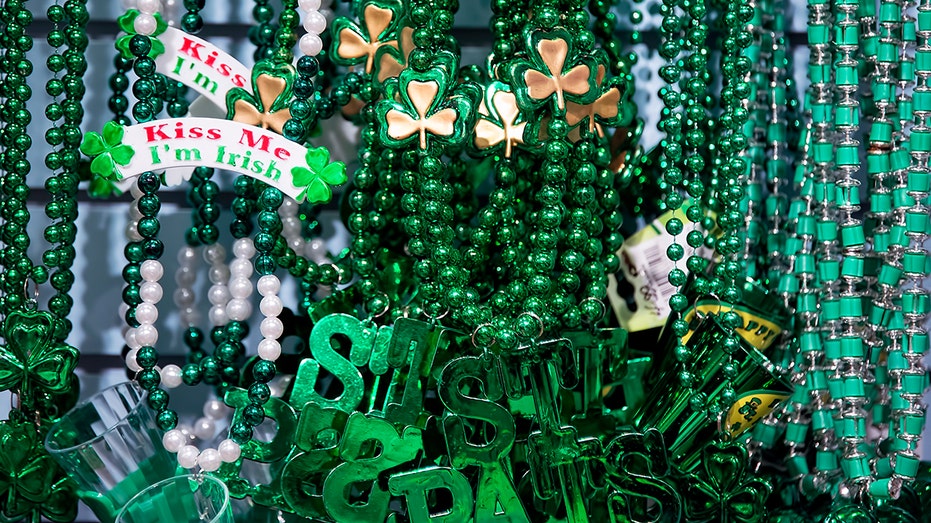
268,105
33,359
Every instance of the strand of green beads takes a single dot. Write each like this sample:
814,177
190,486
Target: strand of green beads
885,156
908,376
191,21
286,35
851,369
821,256
751,206
303,111
603,27
269,225
262,34
777,153
119,83
205,213
15,115
671,125
62,209
732,174
506,25
696,140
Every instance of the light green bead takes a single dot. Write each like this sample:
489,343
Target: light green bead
829,270
832,346
916,343
827,231
821,420
853,348
915,262
907,465
826,460
854,388
880,132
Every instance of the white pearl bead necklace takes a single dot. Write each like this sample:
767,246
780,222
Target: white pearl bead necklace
316,17
145,22
230,298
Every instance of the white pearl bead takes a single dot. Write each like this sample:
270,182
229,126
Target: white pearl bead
309,5
272,328
268,284
130,338
269,349
127,5
187,456
311,44
204,428
315,22
173,440
239,309
214,254
171,377
187,256
146,313
147,335
148,6
145,24
240,287
190,316
131,361
270,305
328,13
150,292
296,244
243,248
151,270
316,247
123,309
209,460
219,274
241,267
218,295
215,409
229,450
184,297
218,316
186,430
132,233
185,276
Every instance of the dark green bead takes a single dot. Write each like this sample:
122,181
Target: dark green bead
167,420
149,379
158,399
139,46
241,433
263,371
253,414
147,357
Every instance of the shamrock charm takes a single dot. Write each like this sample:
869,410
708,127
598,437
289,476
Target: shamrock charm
604,110
723,489
108,151
32,357
555,70
31,483
428,103
497,120
355,43
319,175
268,106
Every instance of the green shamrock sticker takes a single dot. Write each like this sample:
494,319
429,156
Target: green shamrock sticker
126,24
107,151
319,175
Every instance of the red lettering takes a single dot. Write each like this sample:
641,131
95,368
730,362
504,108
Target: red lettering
212,58
196,132
282,153
249,140
179,130
225,70
192,48
239,80
154,133
213,134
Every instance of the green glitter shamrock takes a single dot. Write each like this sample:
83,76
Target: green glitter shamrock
126,24
33,357
319,175
31,483
723,490
108,151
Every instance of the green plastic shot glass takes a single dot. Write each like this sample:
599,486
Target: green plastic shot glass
111,446
194,498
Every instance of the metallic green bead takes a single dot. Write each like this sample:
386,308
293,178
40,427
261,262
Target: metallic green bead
191,374
167,420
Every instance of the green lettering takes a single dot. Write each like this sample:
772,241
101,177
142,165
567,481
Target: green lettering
187,155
